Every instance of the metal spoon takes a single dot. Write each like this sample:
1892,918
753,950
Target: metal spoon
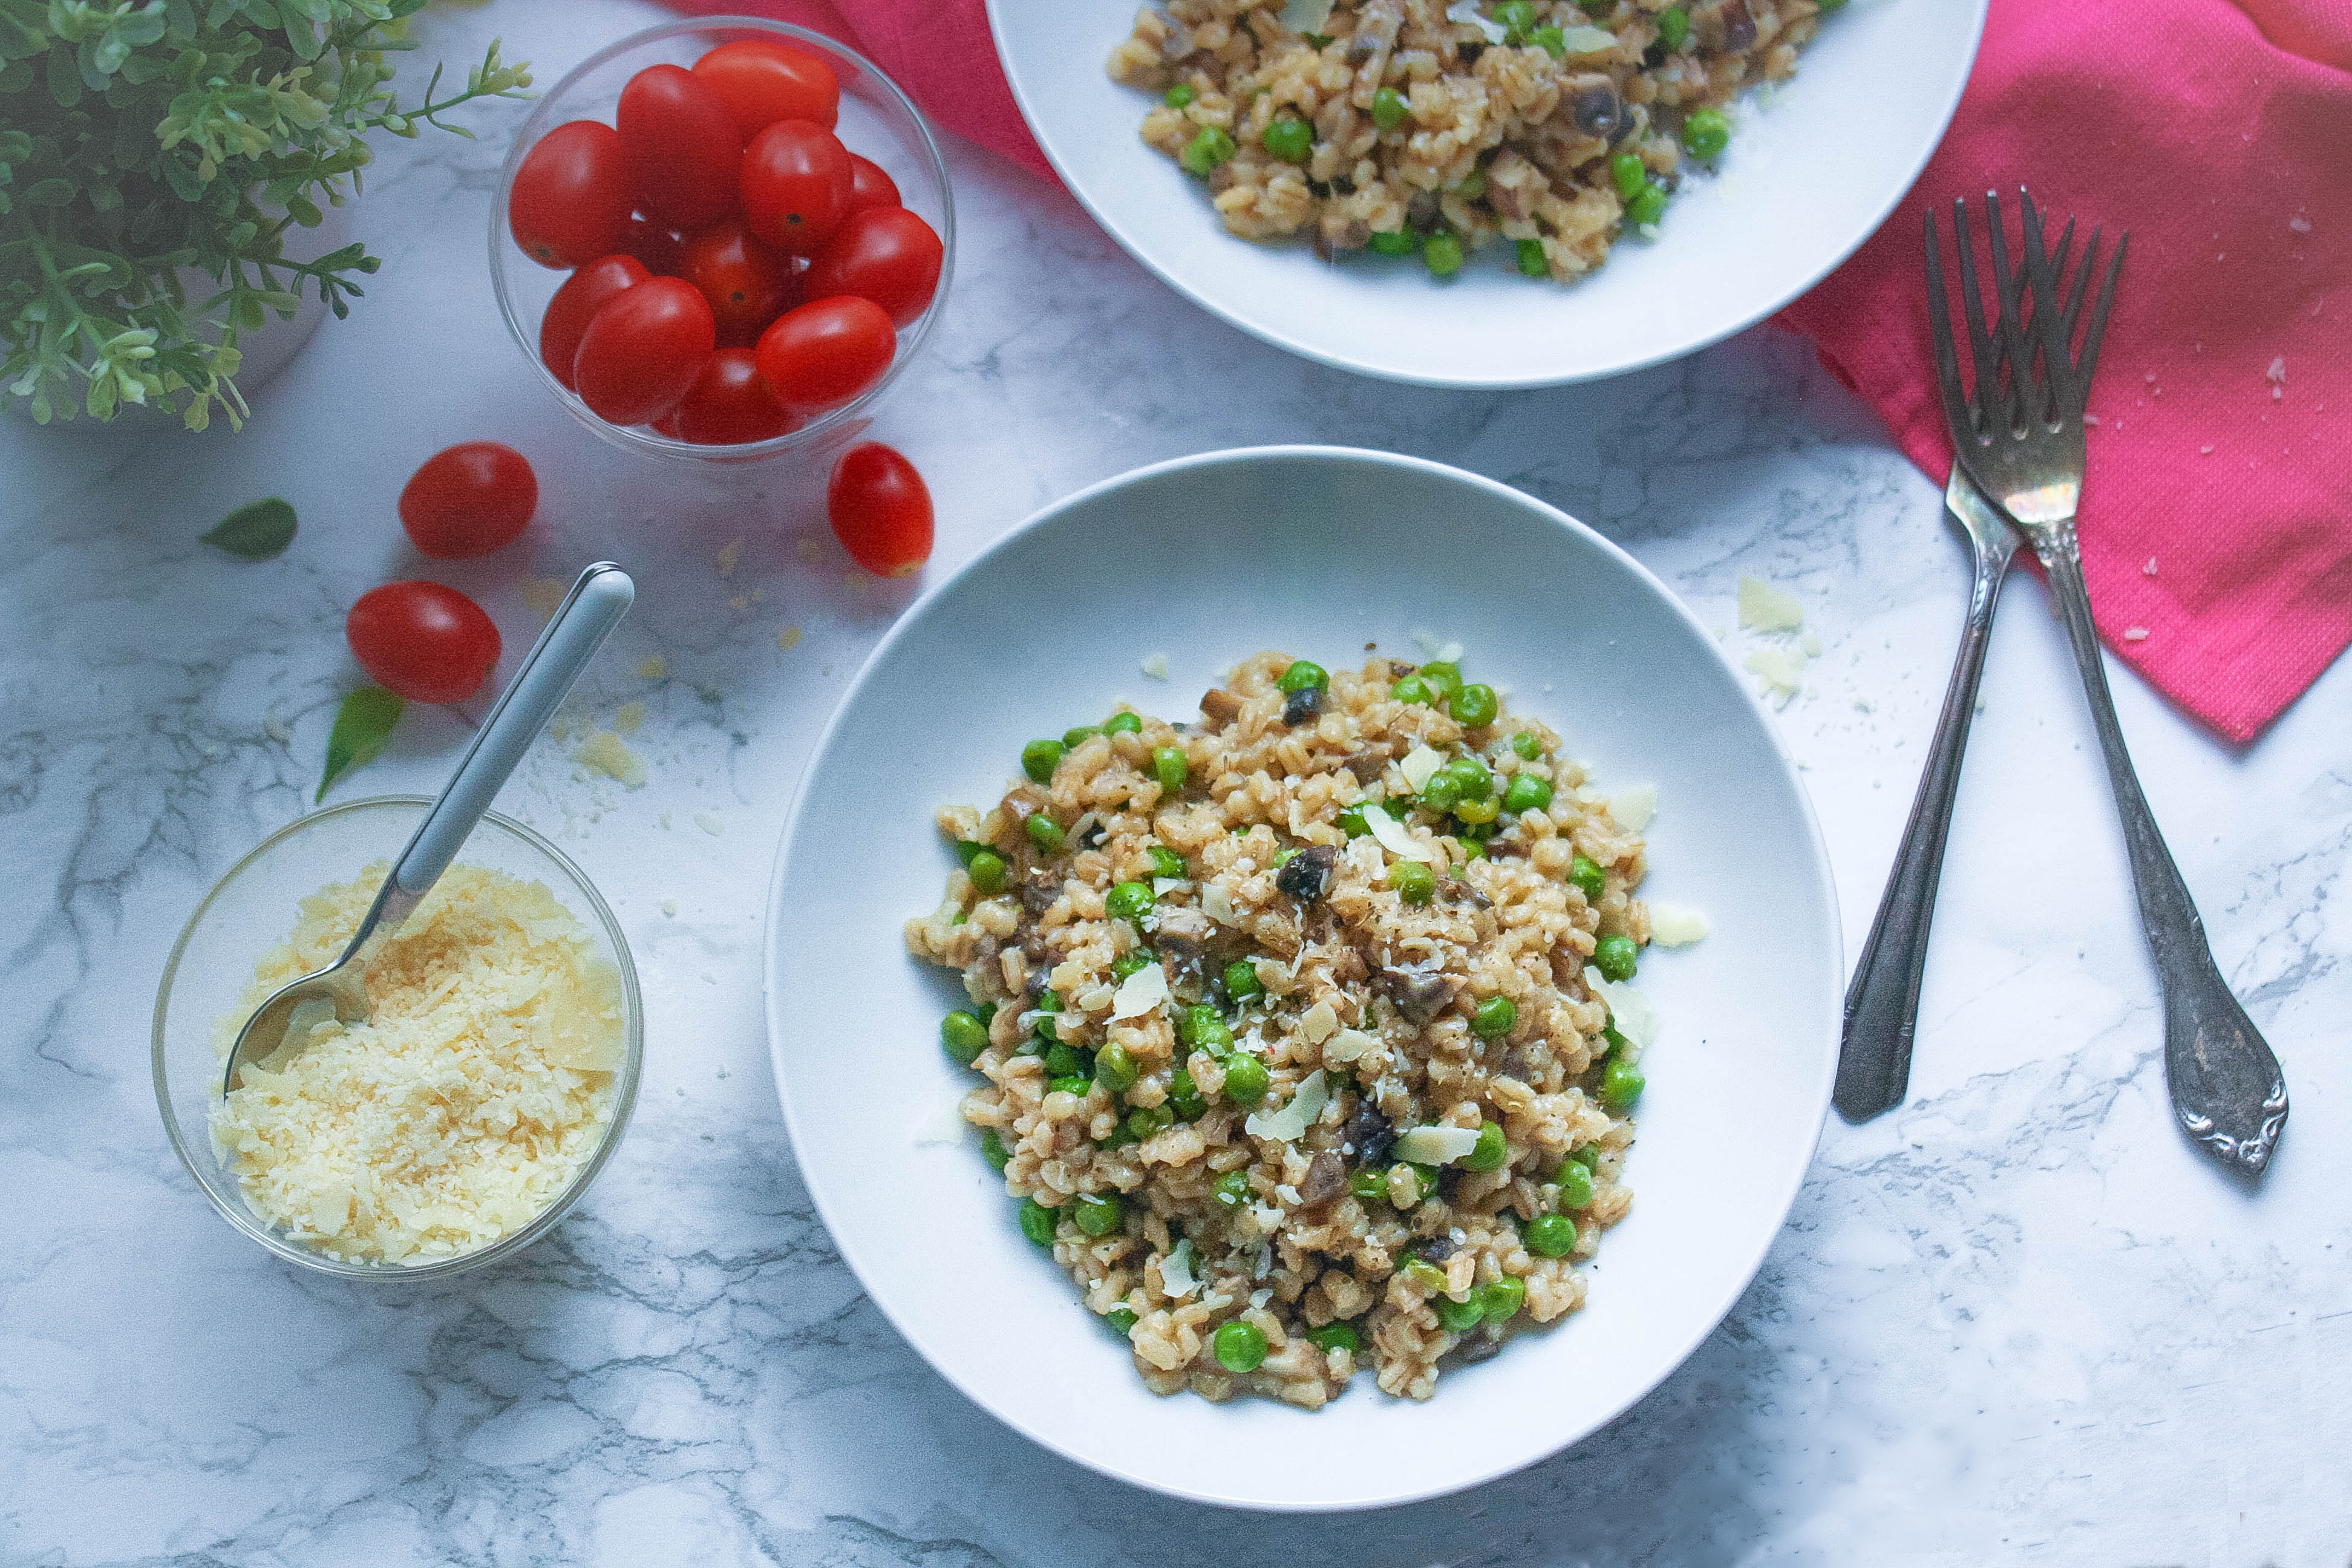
579,627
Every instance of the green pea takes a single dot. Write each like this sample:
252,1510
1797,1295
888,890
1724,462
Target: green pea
1195,1018
1575,1183
1500,1302
1475,705
1241,982
1394,242
1528,792
1445,676
1128,964
1185,1096
1549,1236
966,849
1621,1085
1285,856
1476,782
1209,147
1352,822
1121,1319
1097,1213
1232,1189
992,1149
1040,758
1589,878
1062,1061
1389,107
1413,882
1479,812
1075,1083
1170,767
1165,862
1214,1036
1424,1182
1049,1001
1412,688
1335,1337
1648,205
1589,1156
1674,28
1597,10
1829,4
1303,673
1459,1317
1146,1120
1290,139
1038,1223
1120,1136
1369,1186
1114,1067
1441,793
1423,1273
1616,957
1123,724
1442,254
964,1036
1494,1018
1493,1151
1045,832
1179,96
1630,175
1473,185
1128,902
1533,263
1078,736
1246,1079
1517,15
1705,132
1526,745
986,870
1240,1346
1609,1032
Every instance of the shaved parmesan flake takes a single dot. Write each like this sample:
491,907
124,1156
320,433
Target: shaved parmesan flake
1306,16
1676,925
1436,1145
1420,765
1291,1122
1163,886
1155,664
604,752
1587,40
944,1125
1782,671
1143,992
1218,904
1634,1015
1393,835
1349,1045
1431,649
1176,1270
1318,1023
1764,608
1634,806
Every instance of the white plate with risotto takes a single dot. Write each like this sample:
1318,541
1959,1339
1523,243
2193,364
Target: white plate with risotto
1601,189
1314,1009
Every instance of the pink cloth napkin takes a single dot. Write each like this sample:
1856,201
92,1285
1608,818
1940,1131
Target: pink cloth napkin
2217,518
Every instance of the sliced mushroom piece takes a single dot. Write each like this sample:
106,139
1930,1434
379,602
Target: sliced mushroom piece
1308,874
1483,1344
1439,1247
1185,960
1175,39
1303,706
1039,890
1367,764
1371,1133
1326,1178
1597,107
1723,27
1421,994
1219,707
1422,211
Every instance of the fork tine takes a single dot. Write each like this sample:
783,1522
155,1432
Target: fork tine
2065,396
2024,402
1948,359
2077,292
1992,407
2090,360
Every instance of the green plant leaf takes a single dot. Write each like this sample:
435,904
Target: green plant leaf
362,724
257,531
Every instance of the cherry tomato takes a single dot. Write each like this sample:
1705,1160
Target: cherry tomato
643,350
423,641
663,250
682,149
869,186
469,500
887,254
729,404
796,185
880,510
761,81
571,195
820,356
748,282
576,304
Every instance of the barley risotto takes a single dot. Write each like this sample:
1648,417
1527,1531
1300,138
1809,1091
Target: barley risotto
1416,127
1305,1025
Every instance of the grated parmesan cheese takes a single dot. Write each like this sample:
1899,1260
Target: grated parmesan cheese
476,1090
1677,925
1634,806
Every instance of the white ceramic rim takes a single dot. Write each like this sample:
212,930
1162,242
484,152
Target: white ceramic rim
1243,455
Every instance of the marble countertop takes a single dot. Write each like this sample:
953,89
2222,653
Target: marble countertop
2017,1321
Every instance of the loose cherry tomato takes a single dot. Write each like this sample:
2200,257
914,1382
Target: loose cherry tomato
869,186
880,510
682,149
820,356
571,195
729,404
576,304
761,81
663,250
887,254
425,642
469,500
643,350
748,282
796,185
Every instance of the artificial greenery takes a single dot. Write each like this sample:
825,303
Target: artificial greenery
142,137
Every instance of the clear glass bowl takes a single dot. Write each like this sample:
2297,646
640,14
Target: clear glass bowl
256,905
877,122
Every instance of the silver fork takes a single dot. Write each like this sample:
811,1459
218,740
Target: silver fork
2025,447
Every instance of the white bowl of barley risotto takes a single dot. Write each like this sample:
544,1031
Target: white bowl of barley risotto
1260,154
1633,1185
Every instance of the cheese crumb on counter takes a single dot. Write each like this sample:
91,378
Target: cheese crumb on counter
1764,608
480,1084
604,752
543,595
653,667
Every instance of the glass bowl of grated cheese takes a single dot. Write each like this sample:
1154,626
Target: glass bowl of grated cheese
490,1083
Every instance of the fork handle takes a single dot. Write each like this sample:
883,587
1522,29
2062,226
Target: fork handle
1882,1004
2227,1091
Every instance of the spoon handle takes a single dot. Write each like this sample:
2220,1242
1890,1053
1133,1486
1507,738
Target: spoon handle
579,627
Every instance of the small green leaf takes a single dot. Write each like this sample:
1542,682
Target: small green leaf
362,724
258,530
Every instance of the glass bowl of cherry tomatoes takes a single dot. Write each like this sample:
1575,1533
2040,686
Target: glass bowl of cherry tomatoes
723,240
